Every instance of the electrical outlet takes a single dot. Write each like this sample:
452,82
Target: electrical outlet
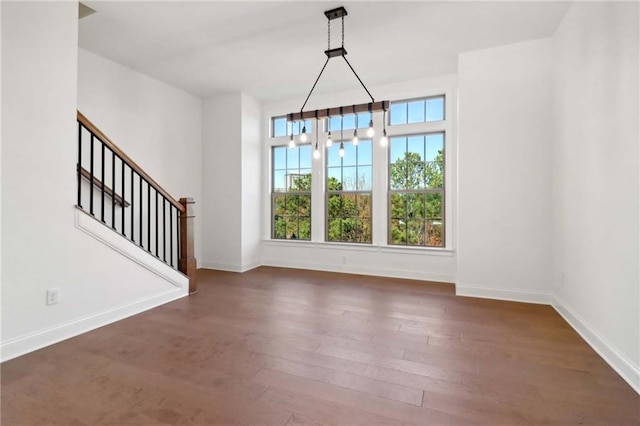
53,296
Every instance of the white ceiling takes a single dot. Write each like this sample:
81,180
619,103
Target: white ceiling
274,50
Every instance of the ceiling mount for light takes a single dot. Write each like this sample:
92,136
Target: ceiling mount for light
371,107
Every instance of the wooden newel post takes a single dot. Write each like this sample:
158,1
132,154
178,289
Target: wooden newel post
188,264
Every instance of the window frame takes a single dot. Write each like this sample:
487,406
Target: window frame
432,87
425,191
328,193
286,192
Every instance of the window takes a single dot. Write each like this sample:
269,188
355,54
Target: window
291,192
417,110
396,196
281,127
416,190
348,192
350,120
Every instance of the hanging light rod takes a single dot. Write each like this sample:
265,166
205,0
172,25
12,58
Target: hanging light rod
373,106
335,111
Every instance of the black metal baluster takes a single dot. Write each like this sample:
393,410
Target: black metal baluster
156,223
122,194
113,190
148,216
133,235
91,178
102,182
140,210
171,234
178,235
79,164
164,229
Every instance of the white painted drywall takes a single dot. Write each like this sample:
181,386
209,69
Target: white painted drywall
158,126
231,163
222,182
251,183
39,143
504,181
596,178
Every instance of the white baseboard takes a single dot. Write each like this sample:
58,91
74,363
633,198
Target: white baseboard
503,294
93,227
363,270
624,367
36,340
57,333
228,267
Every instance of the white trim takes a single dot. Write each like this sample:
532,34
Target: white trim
362,270
229,267
326,245
511,295
613,357
221,266
104,234
33,341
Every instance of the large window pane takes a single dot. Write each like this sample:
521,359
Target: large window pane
416,190
291,192
348,194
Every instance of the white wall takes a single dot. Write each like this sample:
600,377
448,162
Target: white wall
39,143
157,125
222,182
504,205
231,182
596,181
377,258
251,182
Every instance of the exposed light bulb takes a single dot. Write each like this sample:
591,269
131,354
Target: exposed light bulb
370,131
329,140
303,136
292,143
341,150
384,141
316,153
355,137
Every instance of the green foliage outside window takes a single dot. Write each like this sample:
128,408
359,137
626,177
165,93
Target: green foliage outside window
417,200
349,194
291,196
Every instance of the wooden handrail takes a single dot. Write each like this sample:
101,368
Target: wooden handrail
93,129
97,183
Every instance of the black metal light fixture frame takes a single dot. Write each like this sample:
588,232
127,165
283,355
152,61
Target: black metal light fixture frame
373,106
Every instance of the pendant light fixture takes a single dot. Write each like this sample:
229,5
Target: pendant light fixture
355,131
384,141
341,134
371,107
316,151
292,142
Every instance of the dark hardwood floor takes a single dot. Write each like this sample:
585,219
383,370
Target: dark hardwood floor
281,346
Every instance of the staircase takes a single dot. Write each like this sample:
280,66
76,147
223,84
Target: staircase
117,192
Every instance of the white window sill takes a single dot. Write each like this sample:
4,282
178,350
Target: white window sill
421,251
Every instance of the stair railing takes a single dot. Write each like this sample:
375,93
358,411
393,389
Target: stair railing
110,183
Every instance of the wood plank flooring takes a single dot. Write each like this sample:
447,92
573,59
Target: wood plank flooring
290,347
